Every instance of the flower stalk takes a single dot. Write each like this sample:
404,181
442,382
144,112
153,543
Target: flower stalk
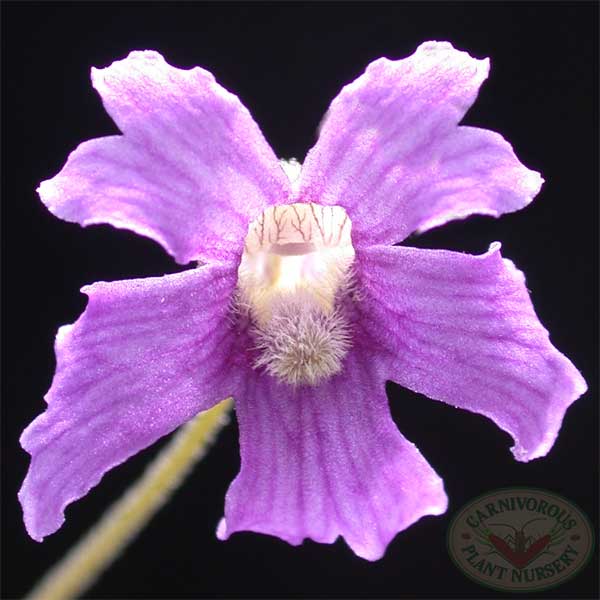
95,552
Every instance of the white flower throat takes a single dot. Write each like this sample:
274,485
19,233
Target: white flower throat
294,273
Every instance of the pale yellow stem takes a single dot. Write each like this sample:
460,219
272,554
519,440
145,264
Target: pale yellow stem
86,561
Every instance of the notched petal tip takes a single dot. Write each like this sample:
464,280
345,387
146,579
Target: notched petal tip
444,51
329,464
431,54
31,526
568,380
476,342
189,170
510,186
145,56
439,51
144,357
391,144
571,386
443,47
373,550
139,60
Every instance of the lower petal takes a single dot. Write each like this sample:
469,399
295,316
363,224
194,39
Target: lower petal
462,329
145,356
328,461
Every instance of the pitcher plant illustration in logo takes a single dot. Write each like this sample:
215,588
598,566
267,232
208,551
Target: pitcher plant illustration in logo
518,548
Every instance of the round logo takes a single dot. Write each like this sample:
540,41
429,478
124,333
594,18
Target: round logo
520,539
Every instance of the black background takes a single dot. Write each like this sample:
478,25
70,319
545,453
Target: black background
286,62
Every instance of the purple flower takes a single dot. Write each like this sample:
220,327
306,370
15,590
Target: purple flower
301,308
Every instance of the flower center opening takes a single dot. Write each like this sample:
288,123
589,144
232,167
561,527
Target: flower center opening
293,278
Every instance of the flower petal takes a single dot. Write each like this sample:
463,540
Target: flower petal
318,462
145,356
391,154
462,329
190,172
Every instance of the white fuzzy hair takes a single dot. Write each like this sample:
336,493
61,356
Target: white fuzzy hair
302,345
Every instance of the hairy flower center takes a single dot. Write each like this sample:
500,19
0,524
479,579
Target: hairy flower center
292,278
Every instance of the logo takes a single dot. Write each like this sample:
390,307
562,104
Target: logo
520,539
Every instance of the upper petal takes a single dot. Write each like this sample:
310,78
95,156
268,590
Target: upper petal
462,329
391,153
145,356
319,462
190,172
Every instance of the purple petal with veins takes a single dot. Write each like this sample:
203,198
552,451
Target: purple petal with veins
189,172
328,461
146,356
462,329
391,152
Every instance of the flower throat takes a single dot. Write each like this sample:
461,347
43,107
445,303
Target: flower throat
294,274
